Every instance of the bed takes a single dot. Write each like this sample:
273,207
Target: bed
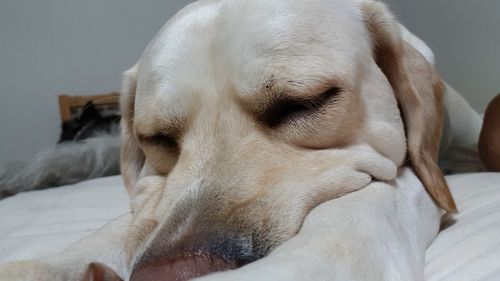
40,223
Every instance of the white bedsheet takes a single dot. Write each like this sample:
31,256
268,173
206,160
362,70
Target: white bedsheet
469,250
40,223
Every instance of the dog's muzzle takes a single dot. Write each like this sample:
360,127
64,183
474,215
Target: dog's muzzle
181,268
188,259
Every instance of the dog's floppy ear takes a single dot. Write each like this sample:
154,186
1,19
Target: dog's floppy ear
132,157
100,272
419,92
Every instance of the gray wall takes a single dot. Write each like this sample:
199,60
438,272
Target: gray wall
54,46
465,37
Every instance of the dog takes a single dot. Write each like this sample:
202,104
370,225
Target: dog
88,147
489,141
89,123
273,140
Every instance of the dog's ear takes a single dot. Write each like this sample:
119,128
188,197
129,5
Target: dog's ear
419,92
132,157
100,272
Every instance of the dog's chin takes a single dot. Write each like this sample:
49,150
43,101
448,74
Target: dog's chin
181,268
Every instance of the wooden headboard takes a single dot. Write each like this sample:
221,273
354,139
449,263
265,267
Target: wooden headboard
69,105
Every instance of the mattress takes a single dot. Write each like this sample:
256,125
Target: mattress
41,223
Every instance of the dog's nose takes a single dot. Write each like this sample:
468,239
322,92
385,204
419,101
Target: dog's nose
193,257
180,268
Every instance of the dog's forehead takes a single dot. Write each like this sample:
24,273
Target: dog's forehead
212,46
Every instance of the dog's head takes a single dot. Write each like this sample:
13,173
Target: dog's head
242,116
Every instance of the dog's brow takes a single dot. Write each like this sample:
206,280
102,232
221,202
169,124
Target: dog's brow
296,89
159,127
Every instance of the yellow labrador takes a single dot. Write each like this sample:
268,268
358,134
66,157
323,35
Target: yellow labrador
274,138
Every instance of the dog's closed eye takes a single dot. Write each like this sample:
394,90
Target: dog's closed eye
161,150
160,140
289,108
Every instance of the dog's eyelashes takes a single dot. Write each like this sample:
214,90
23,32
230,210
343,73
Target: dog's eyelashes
284,110
289,108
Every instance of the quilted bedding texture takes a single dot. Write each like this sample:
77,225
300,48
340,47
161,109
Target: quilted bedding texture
41,223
